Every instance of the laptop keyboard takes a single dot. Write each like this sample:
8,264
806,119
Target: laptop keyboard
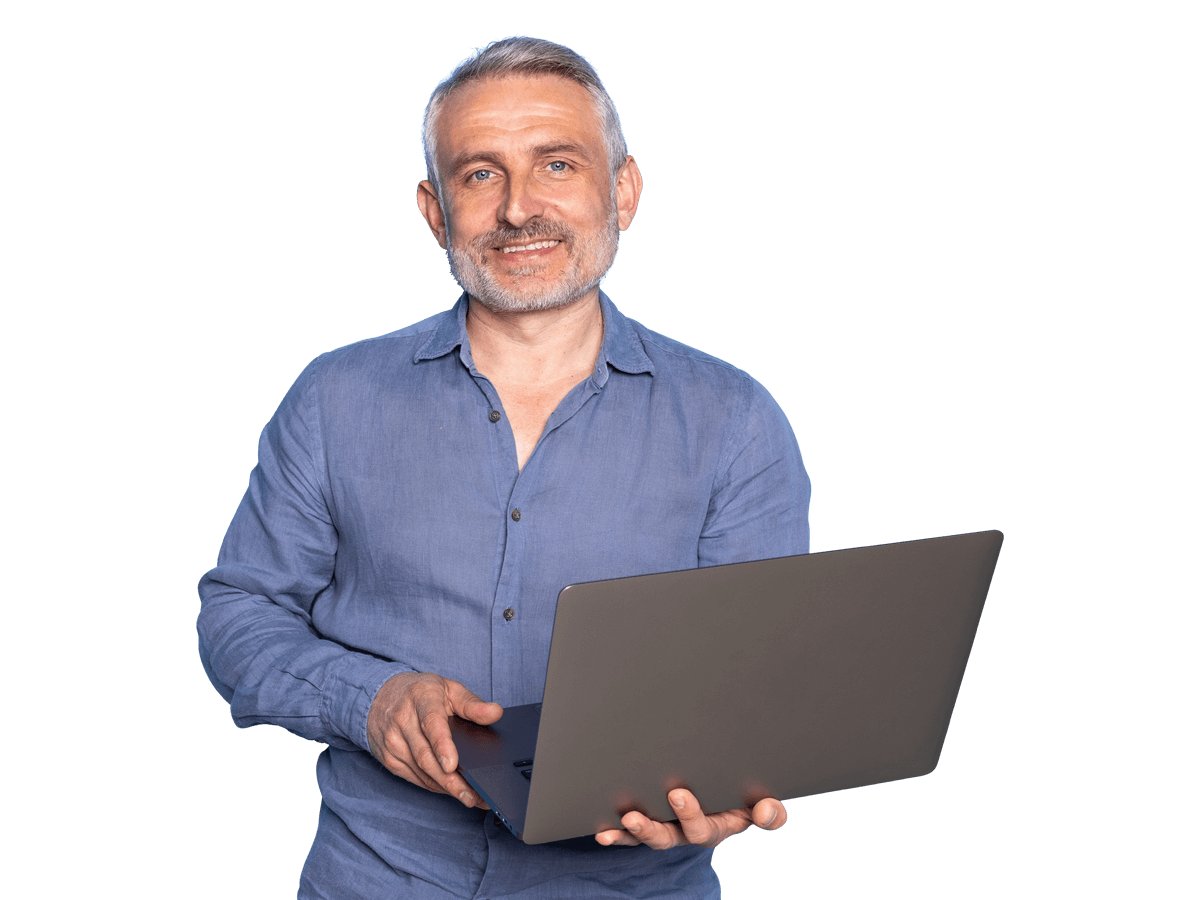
526,767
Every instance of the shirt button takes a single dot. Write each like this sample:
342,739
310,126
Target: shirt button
494,415
509,613
516,515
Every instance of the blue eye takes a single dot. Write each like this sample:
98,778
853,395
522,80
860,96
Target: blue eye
481,175
557,166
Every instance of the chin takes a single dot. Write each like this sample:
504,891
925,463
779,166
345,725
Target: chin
527,301
590,260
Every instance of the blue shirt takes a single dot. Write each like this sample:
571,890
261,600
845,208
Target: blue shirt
388,529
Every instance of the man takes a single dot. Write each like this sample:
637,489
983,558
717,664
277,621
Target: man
421,498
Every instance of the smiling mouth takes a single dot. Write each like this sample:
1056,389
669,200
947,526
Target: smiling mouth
536,245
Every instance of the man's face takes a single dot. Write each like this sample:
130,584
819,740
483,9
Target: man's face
531,210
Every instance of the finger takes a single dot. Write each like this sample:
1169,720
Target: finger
617,837
770,814
698,828
399,731
468,705
427,718
434,724
608,838
426,769
695,825
640,829
659,835
413,751
420,753
413,774
440,761
396,755
455,786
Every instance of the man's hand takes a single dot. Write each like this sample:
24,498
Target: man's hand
408,729
693,827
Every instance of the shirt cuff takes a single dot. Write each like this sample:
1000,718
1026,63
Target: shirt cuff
347,697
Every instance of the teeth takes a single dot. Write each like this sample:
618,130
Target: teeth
537,245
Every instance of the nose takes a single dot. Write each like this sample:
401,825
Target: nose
522,202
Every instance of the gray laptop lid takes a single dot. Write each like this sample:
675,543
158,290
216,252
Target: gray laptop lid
777,678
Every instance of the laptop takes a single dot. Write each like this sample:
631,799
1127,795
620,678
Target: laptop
777,678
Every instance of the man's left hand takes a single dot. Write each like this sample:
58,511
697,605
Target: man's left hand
693,827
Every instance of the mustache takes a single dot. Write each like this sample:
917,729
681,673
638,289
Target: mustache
533,230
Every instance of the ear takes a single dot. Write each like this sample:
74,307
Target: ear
431,209
629,191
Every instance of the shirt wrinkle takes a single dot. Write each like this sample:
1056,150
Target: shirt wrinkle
384,489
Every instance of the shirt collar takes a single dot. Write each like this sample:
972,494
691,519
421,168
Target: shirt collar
622,348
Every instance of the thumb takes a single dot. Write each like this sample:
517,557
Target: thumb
468,705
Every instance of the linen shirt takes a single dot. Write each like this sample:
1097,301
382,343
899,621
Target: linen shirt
387,528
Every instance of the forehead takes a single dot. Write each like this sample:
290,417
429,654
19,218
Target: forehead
515,112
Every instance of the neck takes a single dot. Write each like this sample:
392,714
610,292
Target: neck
537,347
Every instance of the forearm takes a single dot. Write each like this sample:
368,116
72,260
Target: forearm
272,666
257,639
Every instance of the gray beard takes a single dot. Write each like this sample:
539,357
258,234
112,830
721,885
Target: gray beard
591,257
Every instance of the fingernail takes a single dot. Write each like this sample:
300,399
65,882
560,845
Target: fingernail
677,801
771,818
466,798
446,767
635,829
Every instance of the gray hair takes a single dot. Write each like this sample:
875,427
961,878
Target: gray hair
526,56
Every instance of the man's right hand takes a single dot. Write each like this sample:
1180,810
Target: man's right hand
408,728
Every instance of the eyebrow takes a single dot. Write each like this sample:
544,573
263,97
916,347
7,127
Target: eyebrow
565,148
